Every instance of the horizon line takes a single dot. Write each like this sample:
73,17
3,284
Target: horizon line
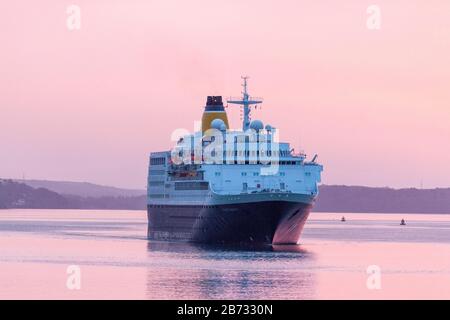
144,188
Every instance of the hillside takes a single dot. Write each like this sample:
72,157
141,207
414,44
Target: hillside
19,195
382,200
14,194
82,189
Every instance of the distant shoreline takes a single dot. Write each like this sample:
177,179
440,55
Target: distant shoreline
42,194
145,211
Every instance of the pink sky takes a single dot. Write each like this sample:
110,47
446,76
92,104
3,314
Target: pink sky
89,105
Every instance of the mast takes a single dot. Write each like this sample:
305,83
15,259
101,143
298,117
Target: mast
245,101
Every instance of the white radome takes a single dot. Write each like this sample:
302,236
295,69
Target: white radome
217,124
256,125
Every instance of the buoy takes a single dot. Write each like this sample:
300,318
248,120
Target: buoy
403,223
343,219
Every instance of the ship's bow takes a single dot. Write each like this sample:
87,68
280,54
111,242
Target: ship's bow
262,219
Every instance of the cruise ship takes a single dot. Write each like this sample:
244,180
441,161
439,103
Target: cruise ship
224,186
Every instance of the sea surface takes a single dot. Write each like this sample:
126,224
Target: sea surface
49,254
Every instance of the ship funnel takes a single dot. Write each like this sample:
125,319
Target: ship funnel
214,110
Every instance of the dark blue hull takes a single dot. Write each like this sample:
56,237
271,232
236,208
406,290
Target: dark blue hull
267,222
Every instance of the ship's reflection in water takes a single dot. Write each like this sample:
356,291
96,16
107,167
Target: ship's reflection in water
194,271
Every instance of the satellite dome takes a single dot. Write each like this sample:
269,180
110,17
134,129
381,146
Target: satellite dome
217,124
256,125
268,127
223,127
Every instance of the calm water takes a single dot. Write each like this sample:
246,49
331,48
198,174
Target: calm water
117,262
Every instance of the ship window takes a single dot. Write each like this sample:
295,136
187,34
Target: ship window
282,174
157,196
243,174
217,174
282,186
156,183
191,185
157,172
157,161
255,174
245,186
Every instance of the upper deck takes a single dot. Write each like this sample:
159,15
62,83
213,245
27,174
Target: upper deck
194,182
217,161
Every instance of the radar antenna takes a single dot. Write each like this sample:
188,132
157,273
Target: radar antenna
245,101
